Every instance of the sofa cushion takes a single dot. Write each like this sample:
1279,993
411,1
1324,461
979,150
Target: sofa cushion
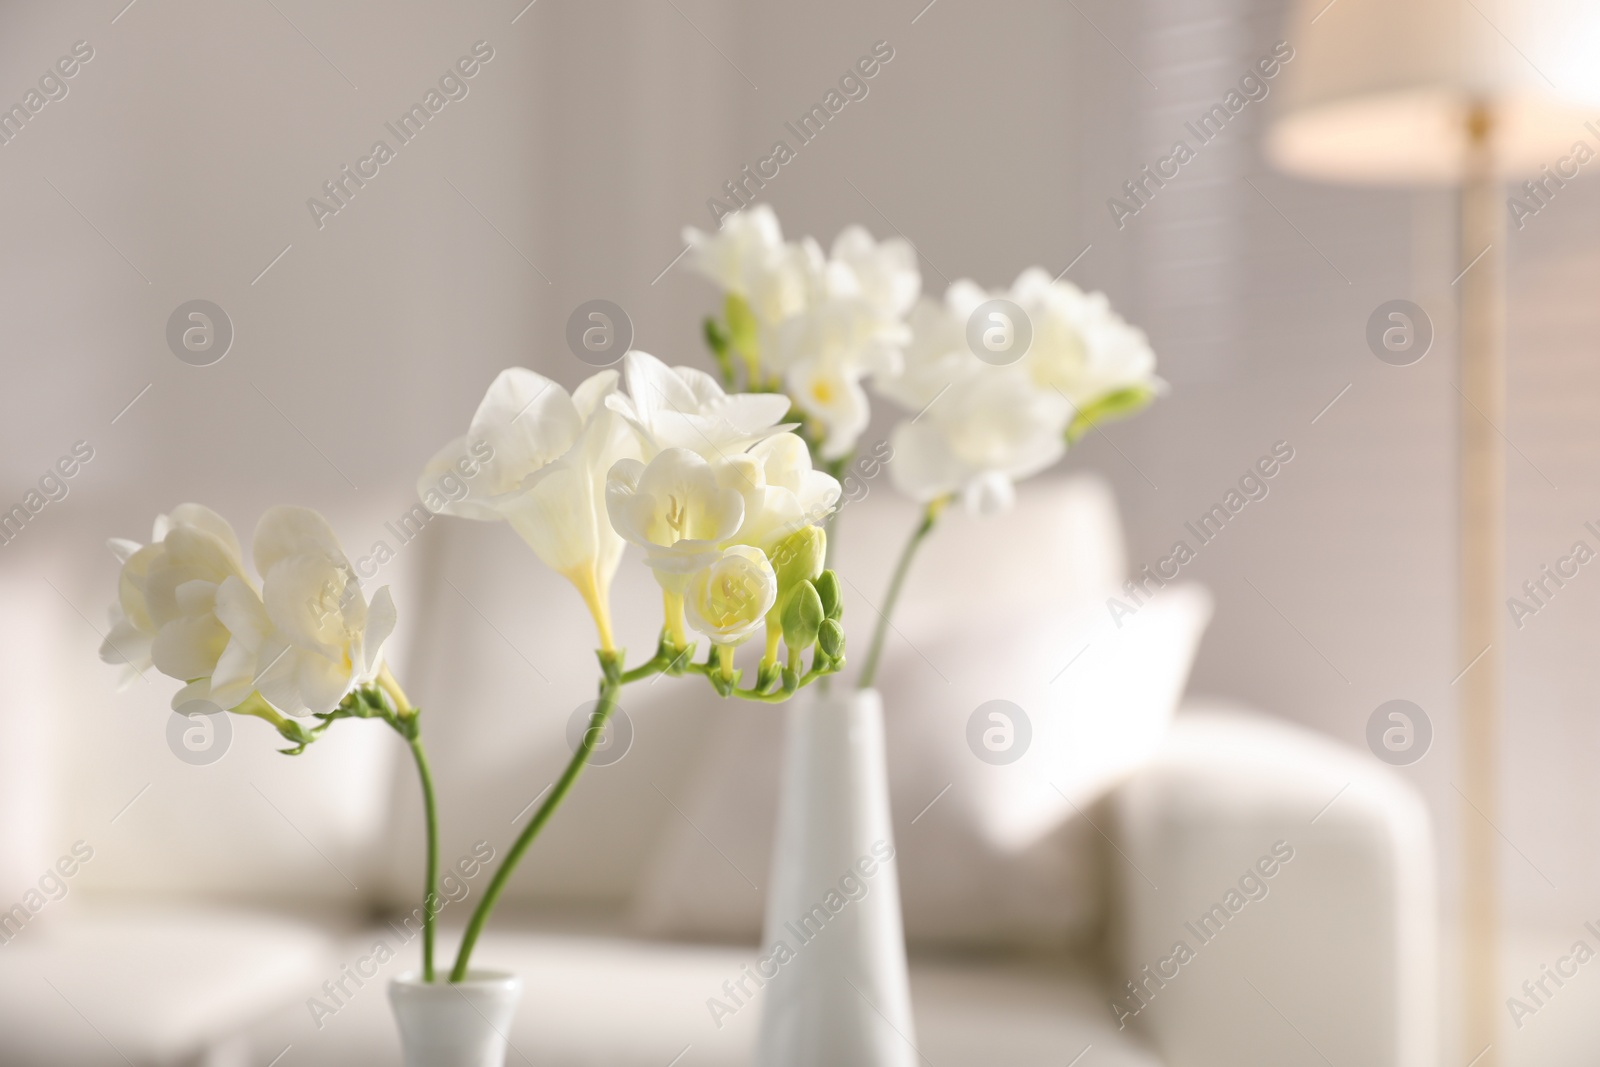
1098,696
604,1001
148,986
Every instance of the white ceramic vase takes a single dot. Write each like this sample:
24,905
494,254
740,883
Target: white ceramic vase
833,957
455,1024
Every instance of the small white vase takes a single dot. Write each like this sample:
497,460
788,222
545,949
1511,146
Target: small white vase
839,997
455,1024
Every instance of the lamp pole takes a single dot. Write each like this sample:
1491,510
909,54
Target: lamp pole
1482,561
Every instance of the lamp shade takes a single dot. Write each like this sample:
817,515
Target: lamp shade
1379,91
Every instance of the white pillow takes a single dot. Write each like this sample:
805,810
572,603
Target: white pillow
994,609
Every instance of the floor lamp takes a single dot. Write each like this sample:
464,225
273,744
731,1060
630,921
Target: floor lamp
1469,94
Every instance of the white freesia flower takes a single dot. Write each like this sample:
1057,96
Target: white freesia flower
980,428
165,615
187,607
822,323
728,600
825,355
978,439
883,273
311,633
748,258
937,357
781,491
551,452
852,327
1080,345
675,509
738,250
680,407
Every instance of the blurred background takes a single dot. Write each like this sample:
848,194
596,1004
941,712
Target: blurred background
179,165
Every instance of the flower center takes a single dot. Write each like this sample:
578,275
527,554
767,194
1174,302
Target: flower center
677,517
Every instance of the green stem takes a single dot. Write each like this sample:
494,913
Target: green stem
430,895
930,515
609,685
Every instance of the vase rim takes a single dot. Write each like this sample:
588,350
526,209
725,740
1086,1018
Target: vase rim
476,979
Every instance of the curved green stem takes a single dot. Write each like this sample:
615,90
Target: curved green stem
430,893
403,718
610,683
930,515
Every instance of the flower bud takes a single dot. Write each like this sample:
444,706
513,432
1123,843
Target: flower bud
798,557
743,329
802,616
830,637
832,599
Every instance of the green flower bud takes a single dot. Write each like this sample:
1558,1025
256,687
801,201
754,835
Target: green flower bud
830,637
1118,404
791,680
743,330
832,599
798,558
802,617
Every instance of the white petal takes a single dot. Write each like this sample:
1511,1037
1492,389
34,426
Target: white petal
442,467
240,609
323,682
751,413
127,644
703,387
593,391
286,531
196,692
381,619
304,599
188,648
234,679
277,678
562,518
989,494
197,597
529,420
203,518
654,387
122,548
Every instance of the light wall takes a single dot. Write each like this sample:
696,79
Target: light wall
180,163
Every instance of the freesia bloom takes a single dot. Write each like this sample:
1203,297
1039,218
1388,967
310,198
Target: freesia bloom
311,632
980,427
1081,347
781,491
165,615
747,257
675,509
551,452
186,605
978,439
822,324
852,327
680,407
728,600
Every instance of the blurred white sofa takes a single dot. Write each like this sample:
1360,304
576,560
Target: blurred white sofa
1044,900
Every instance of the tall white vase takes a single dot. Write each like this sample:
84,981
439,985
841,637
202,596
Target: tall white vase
840,996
